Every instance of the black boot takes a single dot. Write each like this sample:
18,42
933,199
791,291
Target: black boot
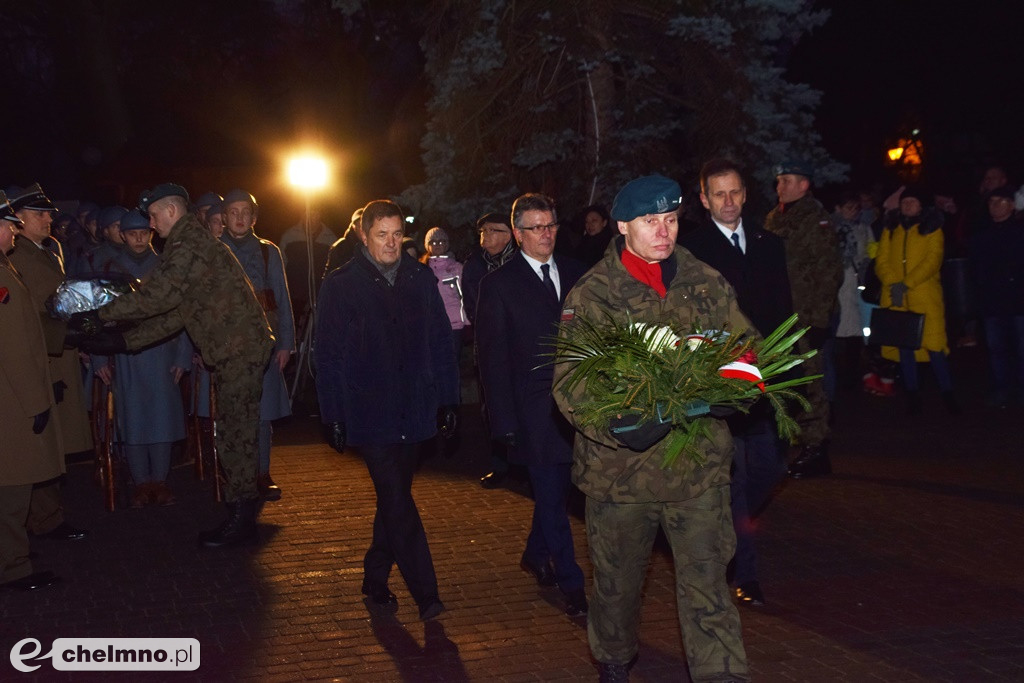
238,529
813,461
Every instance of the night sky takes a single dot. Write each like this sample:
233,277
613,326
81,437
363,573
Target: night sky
884,66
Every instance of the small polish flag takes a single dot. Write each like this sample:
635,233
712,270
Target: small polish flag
738,370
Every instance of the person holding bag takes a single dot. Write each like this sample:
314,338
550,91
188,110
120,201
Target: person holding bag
909,261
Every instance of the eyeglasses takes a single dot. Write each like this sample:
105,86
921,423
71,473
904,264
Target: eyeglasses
550,226
436,243
492,231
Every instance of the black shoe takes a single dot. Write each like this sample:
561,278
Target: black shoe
32,582
544,574
613,673
267,488
238,529
379,597
576,603
813,461
431,609
64,532
750,594
493,480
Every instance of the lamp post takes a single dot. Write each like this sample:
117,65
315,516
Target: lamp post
308,173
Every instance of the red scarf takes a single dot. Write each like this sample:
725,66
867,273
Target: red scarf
647,273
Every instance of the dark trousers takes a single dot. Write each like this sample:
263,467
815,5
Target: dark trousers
550,535
758,466
398,535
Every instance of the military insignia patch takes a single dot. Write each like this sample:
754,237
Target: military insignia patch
568,314
5,295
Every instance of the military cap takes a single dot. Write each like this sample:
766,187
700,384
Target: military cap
208,199
238,195
1004,191
7,211
215,208
134,220
109,215
31,197
499,218
159,192
648,194
795,167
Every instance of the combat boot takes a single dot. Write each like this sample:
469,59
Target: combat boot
238,529
813,461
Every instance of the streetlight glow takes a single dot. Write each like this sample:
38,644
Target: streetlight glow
307,172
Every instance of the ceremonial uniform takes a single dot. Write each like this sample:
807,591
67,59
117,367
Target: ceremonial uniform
25,392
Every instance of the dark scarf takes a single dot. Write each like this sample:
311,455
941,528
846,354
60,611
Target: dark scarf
389,272
502,257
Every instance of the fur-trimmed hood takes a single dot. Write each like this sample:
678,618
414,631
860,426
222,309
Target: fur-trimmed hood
930,220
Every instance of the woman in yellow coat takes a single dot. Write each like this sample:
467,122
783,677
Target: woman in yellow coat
908,264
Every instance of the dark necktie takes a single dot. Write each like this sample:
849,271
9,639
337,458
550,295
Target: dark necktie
736,242
545,269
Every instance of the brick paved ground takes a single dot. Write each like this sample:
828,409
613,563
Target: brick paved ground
898,567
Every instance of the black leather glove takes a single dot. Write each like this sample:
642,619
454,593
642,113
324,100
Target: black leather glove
898,291
508,440
88,322
104,342
721,411
39,421
635,435
58,391
334,433
447,421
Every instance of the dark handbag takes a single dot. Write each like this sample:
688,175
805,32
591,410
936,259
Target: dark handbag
902,329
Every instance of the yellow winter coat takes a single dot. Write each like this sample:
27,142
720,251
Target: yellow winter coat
914,257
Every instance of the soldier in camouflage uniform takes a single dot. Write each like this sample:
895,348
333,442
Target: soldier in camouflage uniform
815,274
644,277
200,286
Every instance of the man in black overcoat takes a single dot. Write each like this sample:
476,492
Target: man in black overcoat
754,262
518,312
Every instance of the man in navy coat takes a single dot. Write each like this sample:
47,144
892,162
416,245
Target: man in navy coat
754,262
519,308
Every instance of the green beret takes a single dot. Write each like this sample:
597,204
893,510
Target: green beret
795,167
159,192
649,194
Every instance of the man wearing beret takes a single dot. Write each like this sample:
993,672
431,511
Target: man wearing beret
645,277
199,286
815,274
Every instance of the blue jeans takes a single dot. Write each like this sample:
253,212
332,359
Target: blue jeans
1004,336
940,366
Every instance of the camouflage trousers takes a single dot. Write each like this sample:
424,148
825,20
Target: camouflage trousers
239,385
701,534
814,422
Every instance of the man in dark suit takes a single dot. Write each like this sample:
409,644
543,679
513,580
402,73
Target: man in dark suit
754,262
519,308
